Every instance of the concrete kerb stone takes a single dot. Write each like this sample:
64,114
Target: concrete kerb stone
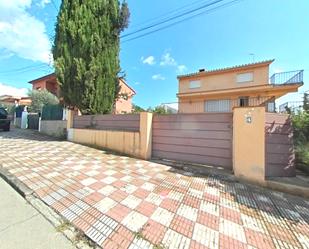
70,232
21,188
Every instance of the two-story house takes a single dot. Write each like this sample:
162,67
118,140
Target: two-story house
123,103
247,85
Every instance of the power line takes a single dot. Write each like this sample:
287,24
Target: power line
167,13
25,70
173,18
55,6
180,21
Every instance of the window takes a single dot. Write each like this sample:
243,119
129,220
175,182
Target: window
243,101
223,105
271,107
244,77
195,84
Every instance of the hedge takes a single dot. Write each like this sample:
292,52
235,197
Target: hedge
52,112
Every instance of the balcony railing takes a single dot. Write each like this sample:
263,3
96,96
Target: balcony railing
291,77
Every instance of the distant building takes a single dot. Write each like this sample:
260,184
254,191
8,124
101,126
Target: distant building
293,106
123,103
170,107
16,100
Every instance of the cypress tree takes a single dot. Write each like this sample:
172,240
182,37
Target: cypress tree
86,52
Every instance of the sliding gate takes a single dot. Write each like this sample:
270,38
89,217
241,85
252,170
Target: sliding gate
204,138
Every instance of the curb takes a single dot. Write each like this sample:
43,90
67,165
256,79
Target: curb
70,232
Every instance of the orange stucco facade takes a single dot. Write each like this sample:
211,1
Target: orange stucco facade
246,85
123,103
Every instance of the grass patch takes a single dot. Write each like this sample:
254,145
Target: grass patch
139,235
160,246
63,226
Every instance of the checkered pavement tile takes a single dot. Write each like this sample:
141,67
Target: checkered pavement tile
149,234
173,239
105,205
232,229
162,216
206,236
113,199
188,212
131,201
182,225
134,221
88,181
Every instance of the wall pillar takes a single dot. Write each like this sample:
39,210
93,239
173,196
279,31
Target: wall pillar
70,118
249,143
69,126
146,135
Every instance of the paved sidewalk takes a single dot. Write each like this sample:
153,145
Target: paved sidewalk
23,227
121,202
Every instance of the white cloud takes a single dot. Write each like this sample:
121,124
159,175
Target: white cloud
150,60
158,77
181,68
278,70
10,90
43,3
137,83
21,33
168,60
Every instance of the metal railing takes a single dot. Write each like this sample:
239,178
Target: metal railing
199,106
267,101
291,77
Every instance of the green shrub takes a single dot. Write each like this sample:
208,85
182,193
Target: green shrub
52,112
300,123
301,127
39,98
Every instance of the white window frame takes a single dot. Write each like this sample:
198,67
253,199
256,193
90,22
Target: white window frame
217,101
193,84
245,77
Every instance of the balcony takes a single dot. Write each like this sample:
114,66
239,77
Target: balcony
292,77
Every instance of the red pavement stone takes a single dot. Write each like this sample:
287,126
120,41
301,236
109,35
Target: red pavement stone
209,220
182,226
120,238
141,193
170,205
118,212
191,201
154,231
226,242
146,208
196,245
230,214
258,240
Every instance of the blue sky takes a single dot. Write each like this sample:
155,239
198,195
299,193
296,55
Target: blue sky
276,29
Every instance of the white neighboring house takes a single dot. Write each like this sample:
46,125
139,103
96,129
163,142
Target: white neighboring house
170,107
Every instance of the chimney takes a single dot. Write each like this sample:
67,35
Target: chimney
202,70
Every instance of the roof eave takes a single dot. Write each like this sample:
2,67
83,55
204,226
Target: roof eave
221,70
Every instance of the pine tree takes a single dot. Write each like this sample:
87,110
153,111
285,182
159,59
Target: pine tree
86,52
